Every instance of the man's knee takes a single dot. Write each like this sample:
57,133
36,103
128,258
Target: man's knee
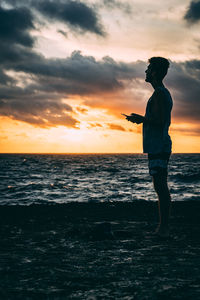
160,184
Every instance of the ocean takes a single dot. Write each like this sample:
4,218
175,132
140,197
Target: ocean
61,178
95,240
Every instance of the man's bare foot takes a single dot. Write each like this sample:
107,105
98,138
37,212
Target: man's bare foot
162,231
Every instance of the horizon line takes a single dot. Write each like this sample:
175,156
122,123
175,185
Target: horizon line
85,153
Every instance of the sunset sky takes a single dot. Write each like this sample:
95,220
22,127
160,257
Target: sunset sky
70,68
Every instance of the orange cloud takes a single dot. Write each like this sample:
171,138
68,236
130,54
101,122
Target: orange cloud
116,127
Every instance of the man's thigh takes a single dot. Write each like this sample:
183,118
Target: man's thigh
158,165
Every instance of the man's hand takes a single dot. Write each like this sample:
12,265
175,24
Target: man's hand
135,118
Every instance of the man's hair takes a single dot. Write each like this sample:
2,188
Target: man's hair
160,65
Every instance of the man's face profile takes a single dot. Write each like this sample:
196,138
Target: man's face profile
149,72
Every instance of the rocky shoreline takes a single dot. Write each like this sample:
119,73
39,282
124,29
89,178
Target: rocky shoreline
66,251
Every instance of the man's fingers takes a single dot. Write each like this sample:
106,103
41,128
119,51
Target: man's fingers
130,118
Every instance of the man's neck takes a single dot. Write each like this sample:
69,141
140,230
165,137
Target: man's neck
155,84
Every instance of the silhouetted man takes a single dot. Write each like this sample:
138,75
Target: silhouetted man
156,140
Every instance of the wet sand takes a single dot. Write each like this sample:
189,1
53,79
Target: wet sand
66,251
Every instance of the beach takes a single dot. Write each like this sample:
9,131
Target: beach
63,251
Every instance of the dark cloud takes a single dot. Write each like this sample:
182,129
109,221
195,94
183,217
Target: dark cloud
76,14
193,12
39,113
15,38
187,131
77,74
35,91
13,53
47,81
184,82
32,105
15,26
5,79
63,33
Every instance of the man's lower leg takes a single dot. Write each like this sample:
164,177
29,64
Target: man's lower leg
164,205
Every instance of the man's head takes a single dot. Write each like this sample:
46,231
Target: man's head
157,69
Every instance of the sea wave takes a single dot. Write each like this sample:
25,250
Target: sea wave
188,177
28,179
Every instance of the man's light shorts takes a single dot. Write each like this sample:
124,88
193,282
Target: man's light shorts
158,163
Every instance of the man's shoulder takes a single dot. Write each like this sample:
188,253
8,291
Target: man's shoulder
161,94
